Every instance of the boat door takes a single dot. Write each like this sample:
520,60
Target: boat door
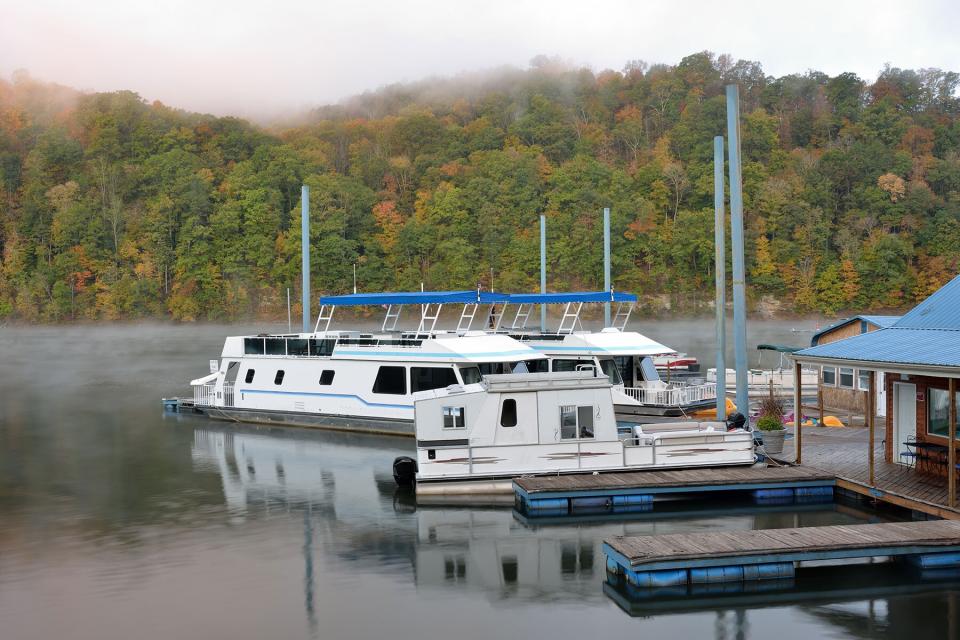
904,417
517,419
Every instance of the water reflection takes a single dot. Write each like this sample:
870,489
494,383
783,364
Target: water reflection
117,521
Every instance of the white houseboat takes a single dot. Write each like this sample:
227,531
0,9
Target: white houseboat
510,425
352,379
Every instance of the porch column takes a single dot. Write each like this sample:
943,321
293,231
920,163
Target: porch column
870,413
951,453
797,408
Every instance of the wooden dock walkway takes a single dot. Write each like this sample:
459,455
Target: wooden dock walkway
550,495
770,554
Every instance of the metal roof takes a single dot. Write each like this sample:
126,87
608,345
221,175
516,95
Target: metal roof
571,296
940,311
927,347
878,321
416,297
927,336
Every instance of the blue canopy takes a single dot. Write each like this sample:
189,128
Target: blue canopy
572,296
416,297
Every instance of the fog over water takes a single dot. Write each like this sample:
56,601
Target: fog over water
117,521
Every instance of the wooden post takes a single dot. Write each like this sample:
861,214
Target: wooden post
951,452
870,412
798,410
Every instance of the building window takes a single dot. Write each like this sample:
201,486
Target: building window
278,379
249,377
938,408
846,377
391,380
326,377
828,376
427,378
508,413
863,380
576,422
453,418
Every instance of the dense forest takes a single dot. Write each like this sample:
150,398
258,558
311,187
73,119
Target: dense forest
112,207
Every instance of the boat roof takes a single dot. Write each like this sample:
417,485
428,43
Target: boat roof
472,296
571,296
476,348
605,342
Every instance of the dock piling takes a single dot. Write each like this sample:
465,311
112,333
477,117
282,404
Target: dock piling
305,253
736,242
720,268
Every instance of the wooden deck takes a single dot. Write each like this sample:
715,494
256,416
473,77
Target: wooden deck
677,480
716,549
843,453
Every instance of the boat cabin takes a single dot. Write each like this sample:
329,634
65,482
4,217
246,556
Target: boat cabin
508,425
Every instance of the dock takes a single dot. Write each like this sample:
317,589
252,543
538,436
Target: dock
771,554
636,490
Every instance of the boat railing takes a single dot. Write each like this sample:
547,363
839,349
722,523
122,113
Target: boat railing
203,394
673,394
206,395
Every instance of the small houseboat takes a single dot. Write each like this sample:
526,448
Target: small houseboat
564,422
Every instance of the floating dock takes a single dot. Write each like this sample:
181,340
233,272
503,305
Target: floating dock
635,491
771,554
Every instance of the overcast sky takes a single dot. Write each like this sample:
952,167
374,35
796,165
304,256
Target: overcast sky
264,57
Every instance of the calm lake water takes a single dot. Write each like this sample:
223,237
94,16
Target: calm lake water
117,521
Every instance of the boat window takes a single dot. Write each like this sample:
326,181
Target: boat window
568,422
648,370
253,346
470,375
493,368
610,369
537,366
276,346
521,367
278,379
846,377
249,377
326,378
571,365
391,380
453,418
585,421
427,378
828,376
509,566
576,422
625,365
508,413
322,347
296,347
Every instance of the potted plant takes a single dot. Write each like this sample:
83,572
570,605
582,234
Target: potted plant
770,424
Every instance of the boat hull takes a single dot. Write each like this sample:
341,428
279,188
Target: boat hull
383,426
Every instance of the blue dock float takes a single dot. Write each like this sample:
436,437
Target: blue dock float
772,554
636,491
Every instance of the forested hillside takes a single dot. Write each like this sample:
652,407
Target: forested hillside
116,208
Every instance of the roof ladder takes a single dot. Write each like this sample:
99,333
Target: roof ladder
390,320
326,314
523,312
622,316
570,318
425,317
467,315
495,316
